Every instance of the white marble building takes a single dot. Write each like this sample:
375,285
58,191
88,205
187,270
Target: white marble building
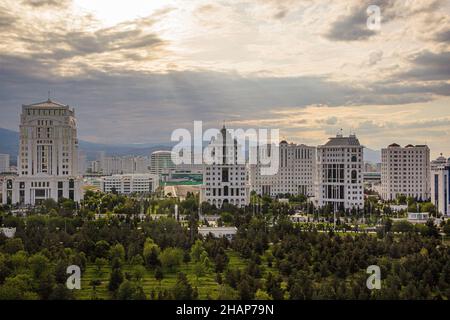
340,173
295,175
48,156
405,171
225,180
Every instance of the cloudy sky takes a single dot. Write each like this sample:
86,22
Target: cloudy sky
135,70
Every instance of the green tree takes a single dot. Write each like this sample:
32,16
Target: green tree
197,250
115,280
182,290
227,293
262,295
99,264
130,291
102,248
60,292
13,245
151,253
38,264
117,252
171,258
402,226
159,275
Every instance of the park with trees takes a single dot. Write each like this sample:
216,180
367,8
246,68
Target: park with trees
160,257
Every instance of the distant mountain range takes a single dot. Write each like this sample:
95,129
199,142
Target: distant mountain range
9,144
373,156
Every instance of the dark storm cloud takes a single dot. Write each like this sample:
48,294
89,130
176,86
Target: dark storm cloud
46,3
6,19
353,26
280,14
136,106
84,43
443,36
428,66
67,44
350,28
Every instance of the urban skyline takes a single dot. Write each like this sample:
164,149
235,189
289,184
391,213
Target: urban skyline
241,153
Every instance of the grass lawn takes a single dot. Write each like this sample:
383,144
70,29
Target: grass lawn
206,284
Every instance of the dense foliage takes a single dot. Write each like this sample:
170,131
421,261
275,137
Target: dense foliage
282,260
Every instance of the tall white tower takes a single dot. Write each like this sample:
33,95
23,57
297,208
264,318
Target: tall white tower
48,140
48,156
339,173
225,178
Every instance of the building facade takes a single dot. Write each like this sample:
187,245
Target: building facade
225,178
405,171
4,163
340,173
130,183
122,165
440,185
48,156
161,162
295,175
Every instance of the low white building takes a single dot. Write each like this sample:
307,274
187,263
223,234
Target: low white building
418,217
130,183
218,232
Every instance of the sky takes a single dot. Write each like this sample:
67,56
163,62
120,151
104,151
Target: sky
136,70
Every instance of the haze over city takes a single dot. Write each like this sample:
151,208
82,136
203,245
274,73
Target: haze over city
136,70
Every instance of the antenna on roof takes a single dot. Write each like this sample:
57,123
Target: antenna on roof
48,95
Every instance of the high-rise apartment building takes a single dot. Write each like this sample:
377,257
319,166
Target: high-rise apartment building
405,171
295,174
123,165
